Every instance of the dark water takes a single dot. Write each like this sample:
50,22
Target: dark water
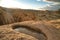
39,36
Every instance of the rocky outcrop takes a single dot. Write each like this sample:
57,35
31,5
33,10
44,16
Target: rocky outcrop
28,30
36,31
5,17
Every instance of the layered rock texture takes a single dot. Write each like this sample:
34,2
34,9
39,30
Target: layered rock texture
21,24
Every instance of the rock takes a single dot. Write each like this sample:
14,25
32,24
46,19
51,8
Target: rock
46,31
5,17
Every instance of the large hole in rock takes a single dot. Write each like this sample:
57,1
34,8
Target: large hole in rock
27,30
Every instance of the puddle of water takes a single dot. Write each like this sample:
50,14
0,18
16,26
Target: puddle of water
31,32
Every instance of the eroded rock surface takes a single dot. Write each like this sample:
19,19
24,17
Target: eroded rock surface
45,31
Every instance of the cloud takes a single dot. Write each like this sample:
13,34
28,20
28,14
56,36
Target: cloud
52,7
15,4
52,0
38,0
55,5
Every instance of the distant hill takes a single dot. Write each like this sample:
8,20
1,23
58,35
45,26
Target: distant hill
35,14
19,15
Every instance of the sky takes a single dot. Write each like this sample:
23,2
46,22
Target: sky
31,4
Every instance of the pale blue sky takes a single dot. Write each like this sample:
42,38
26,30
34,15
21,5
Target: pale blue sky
35,3
31,4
